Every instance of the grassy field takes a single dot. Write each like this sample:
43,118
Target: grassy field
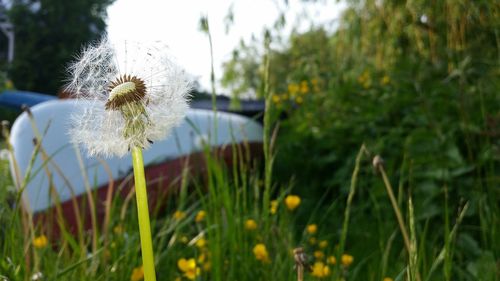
239,224
239,230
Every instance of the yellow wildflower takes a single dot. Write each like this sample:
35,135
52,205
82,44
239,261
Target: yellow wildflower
292,202
313,241
40,241
387,279
276,99
202,257
118,229
365,79
260,252
137,274
304,87
201,243
312,228
331,260
299,100
274,206
250,224
107,254
189,268
323,244
200,216
315,84
346,259
185,265
184,239
385,80
207,266
284,97
191,275
178,215
293,88
320,270
319,255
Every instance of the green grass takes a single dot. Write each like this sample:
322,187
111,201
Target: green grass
224,249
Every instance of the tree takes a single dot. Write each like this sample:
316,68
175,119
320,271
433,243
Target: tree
48,34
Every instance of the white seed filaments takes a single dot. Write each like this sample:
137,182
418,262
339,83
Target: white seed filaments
122,112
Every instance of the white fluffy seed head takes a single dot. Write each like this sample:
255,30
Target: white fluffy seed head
107,132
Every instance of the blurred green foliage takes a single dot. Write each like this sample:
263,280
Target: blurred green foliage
417,82
3,80
48,33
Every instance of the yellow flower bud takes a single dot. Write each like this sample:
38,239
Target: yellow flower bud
292,202
250,224
312,228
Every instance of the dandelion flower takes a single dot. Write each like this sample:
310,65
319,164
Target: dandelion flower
299,100
40,241
385,80
320,270
250,225
200,216
202,257
189,268
312,228
274,206
346,259
260,252
37,276
293,88
323,244
388,279
319,255
207,266
118,229
313,240
184,239
304,87
179,215
202,242
137,274
137,94
276,99
331,260
292,202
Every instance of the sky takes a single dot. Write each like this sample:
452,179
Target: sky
176,23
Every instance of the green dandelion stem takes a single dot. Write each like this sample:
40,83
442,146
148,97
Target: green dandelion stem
143,214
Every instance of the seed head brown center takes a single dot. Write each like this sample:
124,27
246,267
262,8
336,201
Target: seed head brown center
125,89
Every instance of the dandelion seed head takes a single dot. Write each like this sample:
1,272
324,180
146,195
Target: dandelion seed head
137,94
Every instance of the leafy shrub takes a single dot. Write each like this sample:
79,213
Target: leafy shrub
418,84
